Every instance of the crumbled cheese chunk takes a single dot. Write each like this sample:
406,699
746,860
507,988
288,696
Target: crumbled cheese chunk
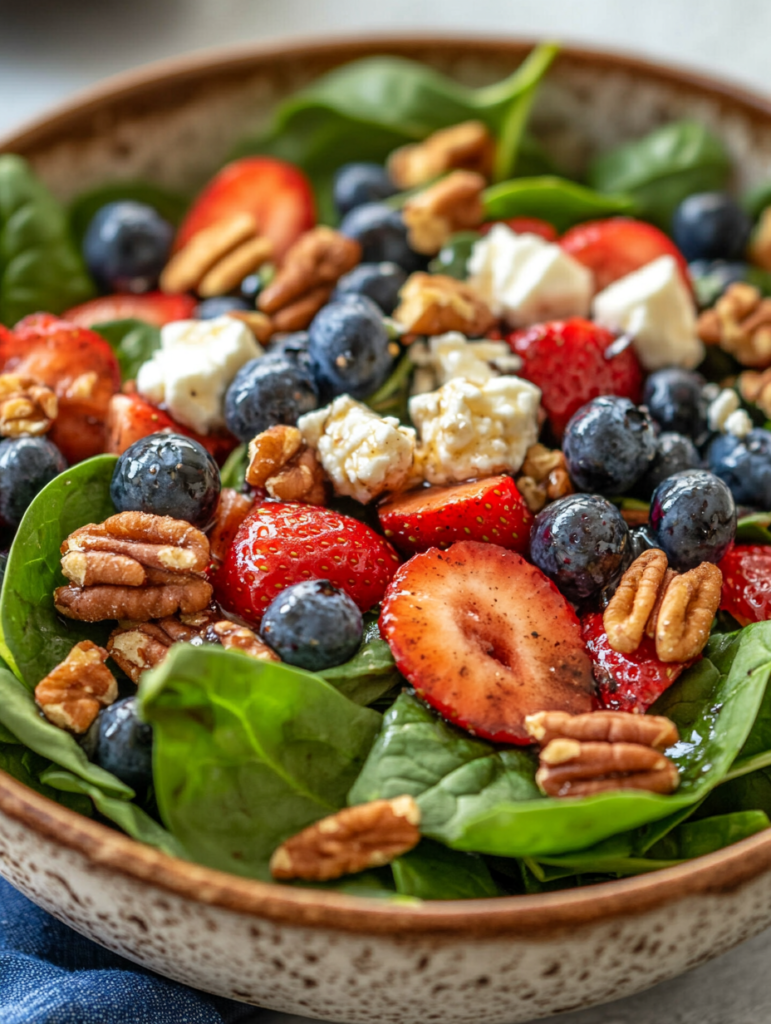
655,308
363,454
738,423
452,355
194,366
721,407
526,279
473,430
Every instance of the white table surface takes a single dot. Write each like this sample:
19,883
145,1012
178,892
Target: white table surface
49,49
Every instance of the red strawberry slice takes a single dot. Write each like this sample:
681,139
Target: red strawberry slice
279,544
618,246
747,583
130,418
152,307
490,510
278,194
573,361
486,639
627,682
78,365
525,225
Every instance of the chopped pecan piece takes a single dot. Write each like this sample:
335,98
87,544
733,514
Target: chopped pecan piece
466,146
142,645
452,204
280,462
435,304
740,323
543,477
258,323
365,836
71,694
685,615
239,638
232,509
218,257
755,387
307,277
26,406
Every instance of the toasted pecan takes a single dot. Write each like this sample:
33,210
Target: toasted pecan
27,407
467,146
740,323
153,541
137,604
687,610
450,205
280,462
435,304
635,598
205,249
603,726
72,693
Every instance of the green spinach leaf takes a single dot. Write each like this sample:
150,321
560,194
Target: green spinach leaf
392,397
454,255
233,473
370,673
40,267
754,529
662,168
247,753
133,342
36,636
433,872
26,767
170,205
698,838
561,202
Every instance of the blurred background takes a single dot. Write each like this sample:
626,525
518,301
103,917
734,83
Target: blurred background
49,49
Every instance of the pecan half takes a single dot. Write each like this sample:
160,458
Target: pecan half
468,146
452,204
26,406
158,542
217,258
687,609
140,604
280,462
435,304
258,323
740,323
71,694
572,768
631,606
544,477
755,387
603,726
232,509
365,836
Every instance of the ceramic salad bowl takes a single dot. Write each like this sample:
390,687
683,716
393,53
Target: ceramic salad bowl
324,954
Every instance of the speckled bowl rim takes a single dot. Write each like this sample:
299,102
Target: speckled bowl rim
533,917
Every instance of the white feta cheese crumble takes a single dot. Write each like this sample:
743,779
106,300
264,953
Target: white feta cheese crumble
655,308
363,454
194,366
526,279
447,356
473,430
739,424
720,408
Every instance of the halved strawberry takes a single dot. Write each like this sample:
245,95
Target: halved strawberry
490,510
572,361
131,418
486,639
525,225
278,194
627,682
747,583
618,246
279,544
152,307
78,365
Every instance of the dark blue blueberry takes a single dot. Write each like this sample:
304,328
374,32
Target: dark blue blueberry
250,288
359,183
124,744
711,226
312,625
674,453
378,281
745,465
609,444
579,542
27,464
266,391
293,347
693,518
712,277
382,234
167,475
675,399
349,348
220,305
126,246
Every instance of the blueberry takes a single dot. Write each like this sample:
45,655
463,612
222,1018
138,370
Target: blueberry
219,305
167,475
377,281
675,399
674,453
266,391
250,288
359,183
693,518
126,246
579,542
349,348
711,226
609,444
312,625
27,464
712,277
745,465
293,347
124,744
383,236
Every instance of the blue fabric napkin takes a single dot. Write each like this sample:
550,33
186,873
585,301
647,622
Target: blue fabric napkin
51,975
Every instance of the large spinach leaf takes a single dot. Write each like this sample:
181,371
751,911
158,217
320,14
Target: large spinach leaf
133,342
662,168
561,202
170,205
40,266
247,753
37,637
433,872
370,673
